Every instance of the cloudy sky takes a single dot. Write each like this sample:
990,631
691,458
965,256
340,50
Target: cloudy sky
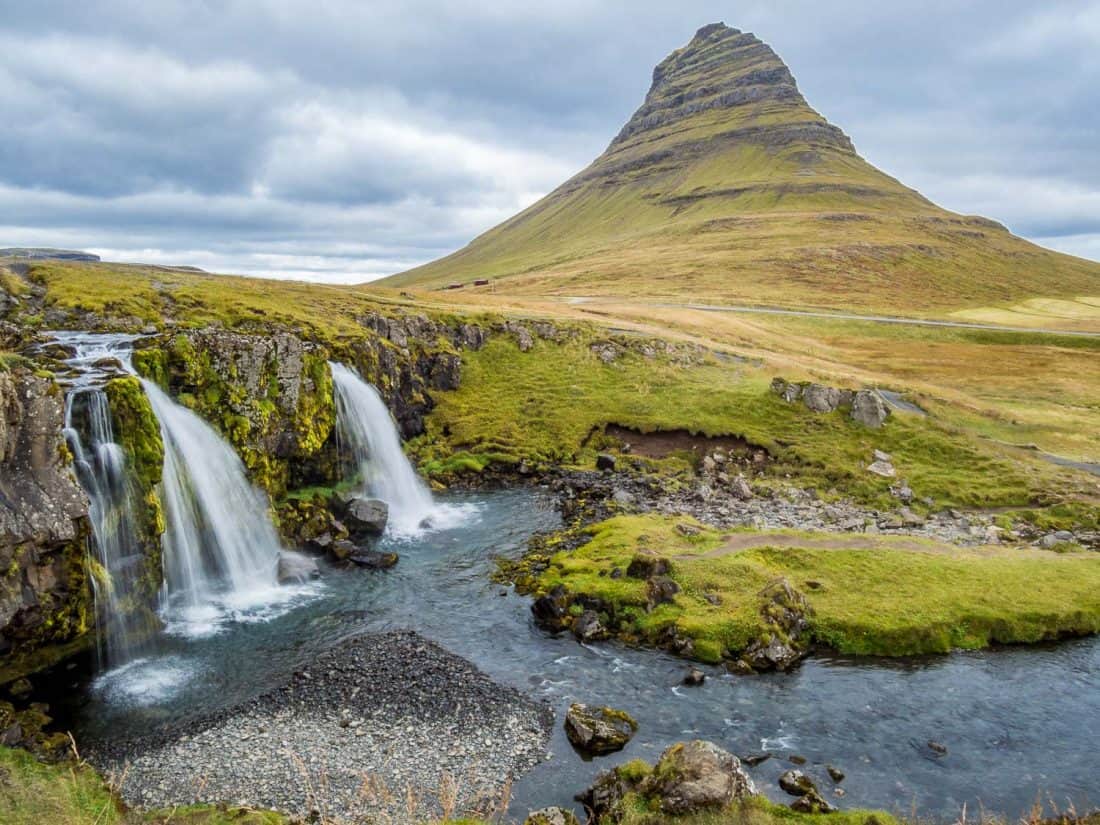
342,140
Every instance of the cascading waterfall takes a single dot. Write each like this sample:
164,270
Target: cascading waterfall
101,467
367,431
221,550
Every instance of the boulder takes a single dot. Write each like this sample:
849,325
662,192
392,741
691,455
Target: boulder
820,398
551,610
603,798
605,462
868,409
366,516
598,730
696,776
373,559
551,816
835,773
796,783
587,627
740,488
882,468
812,803
295,567
694,677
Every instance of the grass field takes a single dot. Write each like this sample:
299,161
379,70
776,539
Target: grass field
870,595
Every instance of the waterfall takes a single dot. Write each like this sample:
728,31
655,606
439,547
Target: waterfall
367,431
221,550
101,468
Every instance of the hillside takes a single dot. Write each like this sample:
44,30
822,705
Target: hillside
727,186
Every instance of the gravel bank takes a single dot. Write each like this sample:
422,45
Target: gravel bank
387,726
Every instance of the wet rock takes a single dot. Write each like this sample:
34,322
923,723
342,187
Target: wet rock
868,409
551,611
598,730
588,628
937,747
551,816
644,566
366,516
373,559
796,783
695,677
696,776
605,462
812,803
835,773
754,759
294,567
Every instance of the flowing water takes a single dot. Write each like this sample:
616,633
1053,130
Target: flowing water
1016,722
115,554
367,434
221,551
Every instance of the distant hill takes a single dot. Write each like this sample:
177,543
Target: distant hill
726,186
40,253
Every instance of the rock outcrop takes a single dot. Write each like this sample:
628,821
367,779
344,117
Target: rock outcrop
690,777
45,599
594,731
864,406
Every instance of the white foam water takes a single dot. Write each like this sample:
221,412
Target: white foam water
367,432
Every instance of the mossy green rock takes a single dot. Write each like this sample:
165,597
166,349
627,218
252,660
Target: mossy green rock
598,730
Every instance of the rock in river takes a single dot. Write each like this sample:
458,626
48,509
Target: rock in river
295,567
697,775
366,517
594,731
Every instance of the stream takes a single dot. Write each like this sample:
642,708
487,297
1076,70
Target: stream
1020,724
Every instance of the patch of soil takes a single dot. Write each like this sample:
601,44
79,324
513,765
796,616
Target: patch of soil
663,443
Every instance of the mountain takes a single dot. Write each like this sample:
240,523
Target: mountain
727,186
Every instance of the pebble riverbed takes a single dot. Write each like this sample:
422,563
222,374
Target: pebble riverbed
388,725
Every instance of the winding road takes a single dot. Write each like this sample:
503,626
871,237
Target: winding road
844,316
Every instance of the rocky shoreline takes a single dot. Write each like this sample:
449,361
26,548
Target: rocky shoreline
390,726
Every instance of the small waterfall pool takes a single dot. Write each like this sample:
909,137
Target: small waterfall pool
1017,722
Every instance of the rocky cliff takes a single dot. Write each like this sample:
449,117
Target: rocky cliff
45,600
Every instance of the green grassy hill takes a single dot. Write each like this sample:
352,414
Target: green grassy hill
726,186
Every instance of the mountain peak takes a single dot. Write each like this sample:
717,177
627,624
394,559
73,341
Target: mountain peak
726,185
723,71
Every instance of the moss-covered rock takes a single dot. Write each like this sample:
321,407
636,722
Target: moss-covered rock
45,598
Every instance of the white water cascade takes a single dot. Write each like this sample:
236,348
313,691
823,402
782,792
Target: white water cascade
102,469
367,432
221,551
115,554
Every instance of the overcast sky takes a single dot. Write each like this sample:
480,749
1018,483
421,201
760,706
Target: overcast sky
342,140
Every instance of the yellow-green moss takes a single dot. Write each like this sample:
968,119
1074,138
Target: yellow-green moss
901,596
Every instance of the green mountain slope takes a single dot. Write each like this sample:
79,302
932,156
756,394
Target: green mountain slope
726,186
